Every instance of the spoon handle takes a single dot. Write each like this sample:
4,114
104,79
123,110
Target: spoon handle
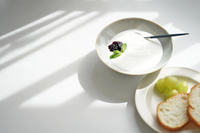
168,35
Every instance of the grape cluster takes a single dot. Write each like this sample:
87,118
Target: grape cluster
170,86
116,45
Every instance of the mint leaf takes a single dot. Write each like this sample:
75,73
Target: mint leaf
116,53
123,47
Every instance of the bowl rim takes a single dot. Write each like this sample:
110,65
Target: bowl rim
128,19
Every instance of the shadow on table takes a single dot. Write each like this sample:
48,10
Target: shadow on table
104,83
107,85
132,114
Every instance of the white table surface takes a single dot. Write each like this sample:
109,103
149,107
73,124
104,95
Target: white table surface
51,79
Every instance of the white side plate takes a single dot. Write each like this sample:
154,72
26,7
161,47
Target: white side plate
147,97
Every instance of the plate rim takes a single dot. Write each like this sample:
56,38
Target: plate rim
145,90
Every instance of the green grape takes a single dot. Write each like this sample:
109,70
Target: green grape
183,86
170,92
161,85
171,82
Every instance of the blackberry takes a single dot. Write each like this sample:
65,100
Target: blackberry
116,45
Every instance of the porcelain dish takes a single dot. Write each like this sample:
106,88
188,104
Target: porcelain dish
143,26
147,97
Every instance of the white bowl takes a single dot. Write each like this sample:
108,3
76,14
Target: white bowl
106,36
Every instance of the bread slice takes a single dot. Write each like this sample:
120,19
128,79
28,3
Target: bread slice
172,113
194,105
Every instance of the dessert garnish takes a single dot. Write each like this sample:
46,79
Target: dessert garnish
117,48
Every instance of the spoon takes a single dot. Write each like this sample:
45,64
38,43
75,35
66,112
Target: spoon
168,35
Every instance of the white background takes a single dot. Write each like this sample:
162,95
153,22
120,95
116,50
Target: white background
51,79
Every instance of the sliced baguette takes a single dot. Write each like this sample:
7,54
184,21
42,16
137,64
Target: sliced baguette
172,113
194,105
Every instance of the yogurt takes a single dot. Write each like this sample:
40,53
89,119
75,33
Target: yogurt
141,54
